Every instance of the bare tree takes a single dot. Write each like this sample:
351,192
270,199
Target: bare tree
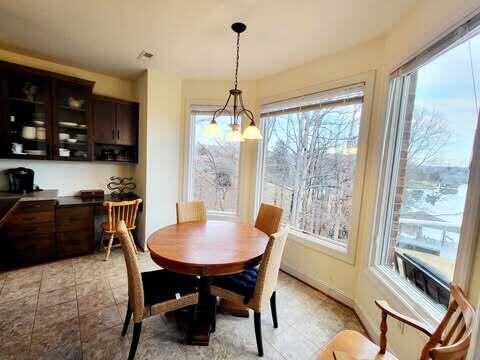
429,133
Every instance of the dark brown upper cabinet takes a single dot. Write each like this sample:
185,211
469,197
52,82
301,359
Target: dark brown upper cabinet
104,114
116,129
50,116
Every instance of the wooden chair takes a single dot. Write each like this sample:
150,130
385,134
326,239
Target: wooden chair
268,218
264,286
450,340
191,211
153,292
116,212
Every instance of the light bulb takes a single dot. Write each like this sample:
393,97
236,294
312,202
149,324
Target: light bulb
252,132
234,136
212,130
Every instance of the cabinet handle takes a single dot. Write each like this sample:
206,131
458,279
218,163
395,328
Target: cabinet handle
118,134
113,134
28,218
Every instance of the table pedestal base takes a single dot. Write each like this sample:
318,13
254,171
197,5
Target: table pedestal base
197,326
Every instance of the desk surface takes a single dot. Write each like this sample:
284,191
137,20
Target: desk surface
70,201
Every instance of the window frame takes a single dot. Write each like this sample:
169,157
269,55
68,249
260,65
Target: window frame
398,289
187,193
326,246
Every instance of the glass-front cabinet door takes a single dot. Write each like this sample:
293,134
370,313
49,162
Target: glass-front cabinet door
27,113
72,121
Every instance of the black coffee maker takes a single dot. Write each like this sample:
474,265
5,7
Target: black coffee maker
20,180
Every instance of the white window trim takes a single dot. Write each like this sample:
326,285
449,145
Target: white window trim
326,246
409,298
187,193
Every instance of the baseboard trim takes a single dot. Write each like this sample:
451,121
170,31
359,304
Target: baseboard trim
319,285
335,295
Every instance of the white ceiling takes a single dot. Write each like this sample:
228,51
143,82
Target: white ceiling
192,38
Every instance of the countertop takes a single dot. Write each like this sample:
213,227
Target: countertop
9,202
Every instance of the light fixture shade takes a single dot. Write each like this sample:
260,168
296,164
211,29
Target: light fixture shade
252,132
234,136
213,130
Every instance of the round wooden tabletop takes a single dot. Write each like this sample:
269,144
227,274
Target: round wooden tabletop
209,248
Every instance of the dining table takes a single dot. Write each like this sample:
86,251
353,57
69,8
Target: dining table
207,250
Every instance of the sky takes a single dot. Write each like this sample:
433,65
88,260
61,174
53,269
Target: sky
446,86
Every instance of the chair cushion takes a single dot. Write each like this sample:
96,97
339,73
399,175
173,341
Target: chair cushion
242,283
162,285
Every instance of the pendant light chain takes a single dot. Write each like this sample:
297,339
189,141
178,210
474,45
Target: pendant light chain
237,61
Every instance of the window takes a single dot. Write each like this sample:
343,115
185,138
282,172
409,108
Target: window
310,160
213,166
433,120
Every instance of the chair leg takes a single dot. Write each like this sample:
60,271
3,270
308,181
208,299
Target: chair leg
128,316
133,241
137,329
273,306
258,332
109,247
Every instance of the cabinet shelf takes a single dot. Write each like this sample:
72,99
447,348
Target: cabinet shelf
68,108
35,102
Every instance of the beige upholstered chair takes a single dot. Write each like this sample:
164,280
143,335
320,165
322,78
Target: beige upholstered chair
153,292
191,211
450,340
265,285
116,212
269,218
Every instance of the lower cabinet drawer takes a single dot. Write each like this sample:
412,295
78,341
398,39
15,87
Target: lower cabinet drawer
14,230
31,249
74,218
21,217
73,243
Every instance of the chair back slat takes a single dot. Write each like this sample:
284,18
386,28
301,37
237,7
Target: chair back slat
452,328
451,338
121,210
191,211
135,284
269,268
269,218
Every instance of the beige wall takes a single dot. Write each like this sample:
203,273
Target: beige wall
159,163
69,177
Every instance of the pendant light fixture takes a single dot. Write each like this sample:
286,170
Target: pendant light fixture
235,135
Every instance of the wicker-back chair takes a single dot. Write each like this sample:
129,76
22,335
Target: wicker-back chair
264,286
450,340
153,292
116,212
191,211
268,218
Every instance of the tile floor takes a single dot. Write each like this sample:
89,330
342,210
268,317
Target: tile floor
74,309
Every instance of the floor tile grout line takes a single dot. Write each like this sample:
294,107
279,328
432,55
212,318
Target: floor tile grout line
78,314
35,313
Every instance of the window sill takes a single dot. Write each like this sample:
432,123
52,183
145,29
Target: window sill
327,247
225,216
399,292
